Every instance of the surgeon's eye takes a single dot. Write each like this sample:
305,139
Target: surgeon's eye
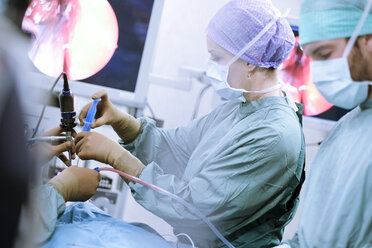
324,56
215,58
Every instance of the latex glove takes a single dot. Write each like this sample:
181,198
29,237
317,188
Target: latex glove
46,151
125,125
92,145
75,183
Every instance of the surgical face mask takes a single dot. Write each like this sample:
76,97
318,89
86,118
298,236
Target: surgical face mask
333,79
218,74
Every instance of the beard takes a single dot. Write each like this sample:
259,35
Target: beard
359,68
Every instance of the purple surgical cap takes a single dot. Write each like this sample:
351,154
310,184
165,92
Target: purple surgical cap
239,21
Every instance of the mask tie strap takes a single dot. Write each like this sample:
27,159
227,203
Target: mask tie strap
288,89
275,87
357,30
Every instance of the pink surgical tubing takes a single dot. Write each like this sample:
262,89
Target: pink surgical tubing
173,196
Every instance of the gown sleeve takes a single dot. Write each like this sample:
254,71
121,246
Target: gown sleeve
163,146
245,181
48,206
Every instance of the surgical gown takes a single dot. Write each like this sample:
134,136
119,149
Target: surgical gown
337,206
240,166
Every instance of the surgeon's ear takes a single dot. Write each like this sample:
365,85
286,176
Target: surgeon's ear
250,70
251,67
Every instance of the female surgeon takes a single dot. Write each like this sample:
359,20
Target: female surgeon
241,164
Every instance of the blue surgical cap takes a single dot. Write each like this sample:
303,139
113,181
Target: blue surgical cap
331,19
239,21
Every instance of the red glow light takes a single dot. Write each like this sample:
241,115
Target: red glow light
296,72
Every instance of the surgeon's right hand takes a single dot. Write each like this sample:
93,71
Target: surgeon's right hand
125,125
107,113
75,183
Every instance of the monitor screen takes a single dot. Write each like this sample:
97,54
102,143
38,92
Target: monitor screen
122,70
126,76
296,72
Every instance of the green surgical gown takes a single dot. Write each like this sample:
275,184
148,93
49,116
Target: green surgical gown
337,206
240,166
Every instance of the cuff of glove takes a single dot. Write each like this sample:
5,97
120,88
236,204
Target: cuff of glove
148,174
59,187
146,124
129,164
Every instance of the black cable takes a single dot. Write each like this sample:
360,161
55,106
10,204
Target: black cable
44,107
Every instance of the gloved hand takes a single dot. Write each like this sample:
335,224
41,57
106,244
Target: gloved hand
46,151
75,183
125,125
92,145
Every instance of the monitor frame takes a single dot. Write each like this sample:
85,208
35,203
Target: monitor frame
136,99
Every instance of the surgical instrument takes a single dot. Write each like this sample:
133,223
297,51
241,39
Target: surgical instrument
90,116
44,107
66,101
49,139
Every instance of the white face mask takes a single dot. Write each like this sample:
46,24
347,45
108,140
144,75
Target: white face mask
218,74
333,79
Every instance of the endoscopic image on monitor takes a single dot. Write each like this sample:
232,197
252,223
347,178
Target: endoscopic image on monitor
121,71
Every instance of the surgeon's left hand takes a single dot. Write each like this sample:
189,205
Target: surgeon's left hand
92,145
76,184
46,151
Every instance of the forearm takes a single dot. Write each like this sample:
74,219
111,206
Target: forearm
127,127
129,164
